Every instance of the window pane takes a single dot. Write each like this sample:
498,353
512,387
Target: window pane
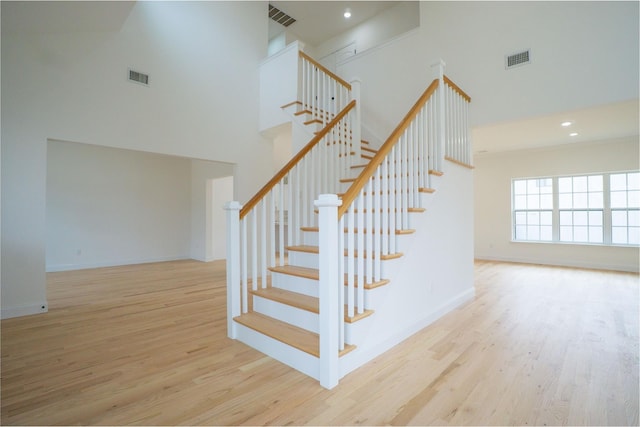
532,186
595,218
533,202
580,200
633,181
546,185
566,234
634,218
595,183
595,200
520,202
520,187
580,234
521,218
564,185
595,234
565,201
533,232
546,217
580,218
634,235
618,199
566,218
521,232
618,181
580,184
533,218
546,201
546,233
619,218
634,199
619,235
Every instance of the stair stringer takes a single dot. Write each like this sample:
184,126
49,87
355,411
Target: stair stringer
434,276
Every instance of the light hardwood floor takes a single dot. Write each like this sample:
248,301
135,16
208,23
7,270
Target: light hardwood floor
147,344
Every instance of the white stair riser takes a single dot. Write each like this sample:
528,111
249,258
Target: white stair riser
297,359
310,238
307,320
297,284
310,260
295,316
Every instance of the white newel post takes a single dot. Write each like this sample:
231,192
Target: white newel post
437,70
357,123
330,286
233,265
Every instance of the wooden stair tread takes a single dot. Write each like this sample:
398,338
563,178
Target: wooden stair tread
314,274
315,229
299,338
303,302
370,150
315,250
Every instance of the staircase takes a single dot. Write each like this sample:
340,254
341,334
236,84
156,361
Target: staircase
364,265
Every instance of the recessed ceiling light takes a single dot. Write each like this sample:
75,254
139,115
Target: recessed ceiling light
565,124
573,134
347,14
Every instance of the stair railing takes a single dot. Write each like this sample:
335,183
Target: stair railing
323,94
258,230
376,207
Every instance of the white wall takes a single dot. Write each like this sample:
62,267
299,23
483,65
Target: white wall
583,54
109,206
71,85
493,176
382,27
202,172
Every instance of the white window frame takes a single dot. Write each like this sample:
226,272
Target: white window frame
606,210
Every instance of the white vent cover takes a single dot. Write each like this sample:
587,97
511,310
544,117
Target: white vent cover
138,77
517,59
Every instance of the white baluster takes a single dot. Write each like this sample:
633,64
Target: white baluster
360,225
357,116
263,242
369,229
385,230
377,227
281,222
350,262
272,230
254,250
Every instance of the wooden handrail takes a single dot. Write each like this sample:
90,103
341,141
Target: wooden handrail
285,170
455,87
370,169
332,75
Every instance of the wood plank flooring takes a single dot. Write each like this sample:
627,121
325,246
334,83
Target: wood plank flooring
147,345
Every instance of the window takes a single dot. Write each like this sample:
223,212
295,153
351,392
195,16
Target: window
581,203
625,208
595,209
533,199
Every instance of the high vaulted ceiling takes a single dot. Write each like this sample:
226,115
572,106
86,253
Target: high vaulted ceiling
318,21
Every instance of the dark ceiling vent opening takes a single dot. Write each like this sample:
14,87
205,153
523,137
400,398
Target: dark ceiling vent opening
138,77
517,59
280,17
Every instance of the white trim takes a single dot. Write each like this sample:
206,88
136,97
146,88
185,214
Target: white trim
69,267
291,46
575,264
24,310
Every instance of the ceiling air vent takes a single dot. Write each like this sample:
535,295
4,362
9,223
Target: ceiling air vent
138,77
517,59
279,16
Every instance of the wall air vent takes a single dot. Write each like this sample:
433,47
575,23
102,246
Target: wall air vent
517,59
138,77
280,17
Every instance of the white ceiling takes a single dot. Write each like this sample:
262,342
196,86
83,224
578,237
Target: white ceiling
318,21
606,122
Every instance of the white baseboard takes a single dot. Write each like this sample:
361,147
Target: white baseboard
69,267
576,264
24,310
